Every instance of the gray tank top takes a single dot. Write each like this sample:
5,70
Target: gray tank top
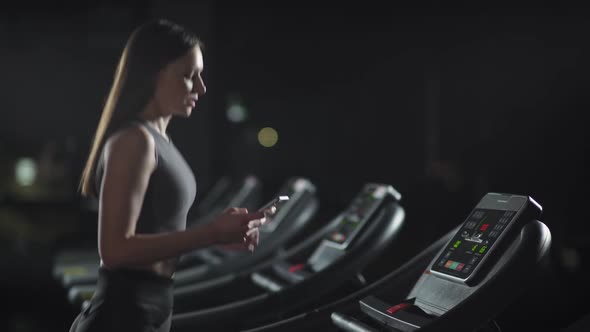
171,190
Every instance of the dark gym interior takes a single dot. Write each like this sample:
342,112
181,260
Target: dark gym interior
445,104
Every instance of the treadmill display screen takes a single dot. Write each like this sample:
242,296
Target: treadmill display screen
356,215
345,230
472,242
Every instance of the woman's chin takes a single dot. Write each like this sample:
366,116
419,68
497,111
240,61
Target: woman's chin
190,110
185,113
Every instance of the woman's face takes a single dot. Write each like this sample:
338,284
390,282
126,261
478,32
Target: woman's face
179,85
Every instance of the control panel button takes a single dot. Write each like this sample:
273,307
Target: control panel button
296,267
397,308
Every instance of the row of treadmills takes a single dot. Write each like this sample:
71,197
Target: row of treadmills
331,275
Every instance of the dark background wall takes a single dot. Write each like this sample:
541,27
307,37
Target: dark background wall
445,104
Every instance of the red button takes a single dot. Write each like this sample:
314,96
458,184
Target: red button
484,227
397,308
296,267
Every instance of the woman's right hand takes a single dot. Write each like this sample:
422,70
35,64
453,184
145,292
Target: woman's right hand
236,228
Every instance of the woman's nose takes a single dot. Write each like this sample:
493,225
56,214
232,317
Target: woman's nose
200,87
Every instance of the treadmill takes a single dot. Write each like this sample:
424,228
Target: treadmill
213,262
498,247
75,268
324,266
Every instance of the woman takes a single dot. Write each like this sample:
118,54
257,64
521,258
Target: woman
145,187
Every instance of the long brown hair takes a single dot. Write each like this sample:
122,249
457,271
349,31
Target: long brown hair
148,50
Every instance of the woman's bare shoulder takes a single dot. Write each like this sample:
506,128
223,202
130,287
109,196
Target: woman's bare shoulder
130,143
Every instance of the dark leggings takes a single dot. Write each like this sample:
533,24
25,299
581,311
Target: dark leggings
127,300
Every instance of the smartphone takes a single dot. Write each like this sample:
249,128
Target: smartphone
275,201
484,233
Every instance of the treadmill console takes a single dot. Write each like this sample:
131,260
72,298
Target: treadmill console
360,210
490,221
333,243
350,222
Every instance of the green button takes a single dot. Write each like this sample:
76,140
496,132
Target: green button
454,265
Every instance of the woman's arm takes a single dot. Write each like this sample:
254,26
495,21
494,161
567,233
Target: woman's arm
129,163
